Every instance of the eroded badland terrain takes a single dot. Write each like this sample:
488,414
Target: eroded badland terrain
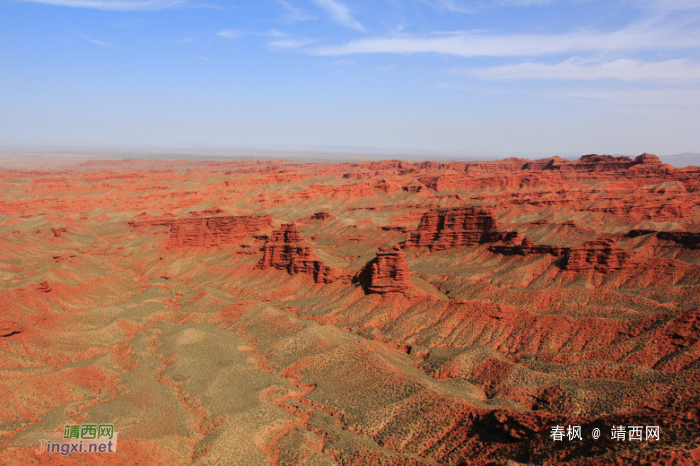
375,313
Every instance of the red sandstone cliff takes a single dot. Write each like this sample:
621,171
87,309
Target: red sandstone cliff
287,250
208,231
645,164
386,273
603,256
448,228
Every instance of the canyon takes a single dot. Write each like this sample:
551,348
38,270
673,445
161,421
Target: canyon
388,312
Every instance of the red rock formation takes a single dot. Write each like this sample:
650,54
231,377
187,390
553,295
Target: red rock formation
388,186
461,226
209,231
443,182
602,256
346,191
57,232
523,246
9,328
386,273
287,250
641,207
508,165
322,216
552,163
44,287
645,164
415,187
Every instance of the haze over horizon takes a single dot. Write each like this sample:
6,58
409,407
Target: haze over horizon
509,76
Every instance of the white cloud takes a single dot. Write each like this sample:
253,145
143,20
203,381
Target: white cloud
115,5
458,6
279,39
339,13
101,43
473,44
237,33
295,13
449,5
290,43
231,34
623,69
666,4
525,2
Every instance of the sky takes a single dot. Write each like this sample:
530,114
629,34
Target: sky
444,76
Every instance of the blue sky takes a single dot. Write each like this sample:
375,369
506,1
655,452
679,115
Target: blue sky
459,76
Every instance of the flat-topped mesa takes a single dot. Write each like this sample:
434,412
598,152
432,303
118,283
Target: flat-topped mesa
386,273
601,163
593,163
460,226
215,231
601,255
647,159
206,232
287,250
517,244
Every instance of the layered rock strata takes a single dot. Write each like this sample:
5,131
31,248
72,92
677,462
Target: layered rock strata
461,226
602,256
386,273
287,250
205,232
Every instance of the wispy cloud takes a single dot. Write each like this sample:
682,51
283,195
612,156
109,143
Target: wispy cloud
524,2
666,4
231,33
115,5
623,69
97,42
295,13
339,13
458,6
280,40
474,44
237,33
449,5
290,43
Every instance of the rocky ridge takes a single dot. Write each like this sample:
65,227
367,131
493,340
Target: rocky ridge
206,232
